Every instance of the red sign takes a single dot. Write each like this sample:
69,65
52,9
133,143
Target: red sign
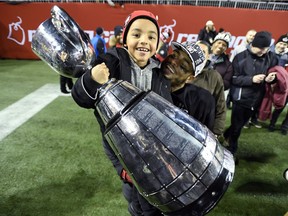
18,22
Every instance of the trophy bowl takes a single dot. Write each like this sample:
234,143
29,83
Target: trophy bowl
63,45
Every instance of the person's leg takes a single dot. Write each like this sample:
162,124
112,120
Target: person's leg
284,126
254,119
134,207
63,84
276,113
69,83
239,117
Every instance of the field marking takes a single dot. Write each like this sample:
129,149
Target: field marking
19,112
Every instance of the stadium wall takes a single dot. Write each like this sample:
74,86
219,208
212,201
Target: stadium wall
18,22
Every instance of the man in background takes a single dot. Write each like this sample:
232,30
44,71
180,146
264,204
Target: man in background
98,42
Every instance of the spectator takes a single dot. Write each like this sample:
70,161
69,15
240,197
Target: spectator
98,42
116,40
185,63
247,89
219,59
212,81
243,46
132,64
281,51
208,33
280,48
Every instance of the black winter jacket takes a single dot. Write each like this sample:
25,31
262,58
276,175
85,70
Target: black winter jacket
246,65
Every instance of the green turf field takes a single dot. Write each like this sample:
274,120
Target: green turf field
54,164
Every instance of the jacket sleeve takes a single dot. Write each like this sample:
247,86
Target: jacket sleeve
84,92
220,115
112,157
227,79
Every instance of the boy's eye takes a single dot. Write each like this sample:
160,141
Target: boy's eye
136,35
152,38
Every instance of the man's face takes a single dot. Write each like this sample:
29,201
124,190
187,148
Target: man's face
250,36
259,51
210,27
177,67
280,47
219,47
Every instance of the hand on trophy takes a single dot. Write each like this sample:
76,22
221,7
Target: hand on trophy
125,177
100,73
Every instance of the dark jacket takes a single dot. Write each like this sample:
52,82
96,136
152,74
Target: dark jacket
207,36
224,67
118,61
246,65
212,81
197,102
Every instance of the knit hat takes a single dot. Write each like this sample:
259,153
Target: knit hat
283,38
99,30
118,30
262,39
224,36
194,52
139,14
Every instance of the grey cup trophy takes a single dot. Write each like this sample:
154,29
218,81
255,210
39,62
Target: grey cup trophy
175,162
63,45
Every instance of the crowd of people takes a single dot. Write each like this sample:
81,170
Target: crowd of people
201,78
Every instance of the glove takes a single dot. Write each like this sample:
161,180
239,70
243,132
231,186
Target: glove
125,177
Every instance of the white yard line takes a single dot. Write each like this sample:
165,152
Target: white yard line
18,113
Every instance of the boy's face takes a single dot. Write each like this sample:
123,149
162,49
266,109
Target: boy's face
177,67
142,40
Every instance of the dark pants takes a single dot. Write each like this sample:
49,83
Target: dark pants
276,114
239,117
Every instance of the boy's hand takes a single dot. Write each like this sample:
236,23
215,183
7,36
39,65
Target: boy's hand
100,73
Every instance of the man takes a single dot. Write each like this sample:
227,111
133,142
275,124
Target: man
98,42
116,40
281,51
248,39
248,84
282,55
219,60
212,81
182,66
208,33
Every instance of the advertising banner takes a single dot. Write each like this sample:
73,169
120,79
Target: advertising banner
19,21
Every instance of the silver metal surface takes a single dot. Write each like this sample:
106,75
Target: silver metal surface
63,45
175,162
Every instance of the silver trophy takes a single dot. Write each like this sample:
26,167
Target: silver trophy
175,162
63,45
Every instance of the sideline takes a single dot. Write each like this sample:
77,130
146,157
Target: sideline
19,112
